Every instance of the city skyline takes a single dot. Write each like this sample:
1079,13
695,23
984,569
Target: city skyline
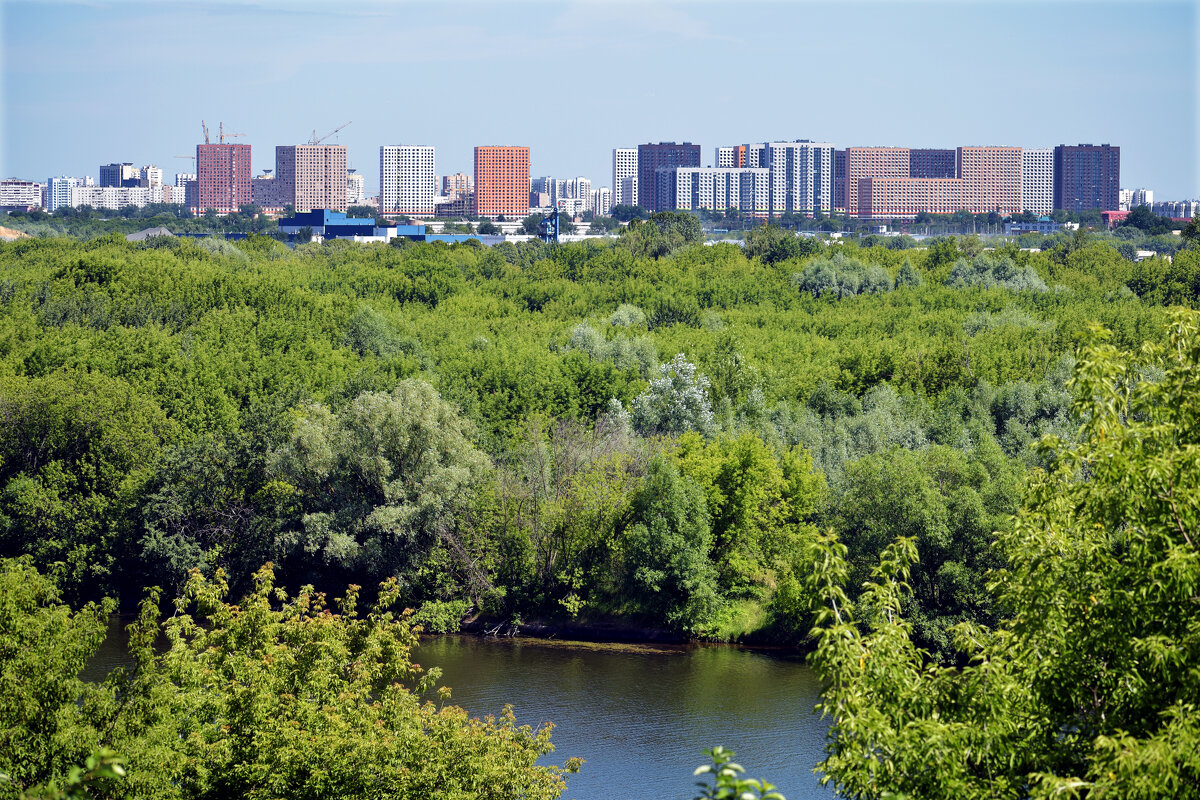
123,84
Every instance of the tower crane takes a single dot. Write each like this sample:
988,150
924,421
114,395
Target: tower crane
190,158
223,135
204,125
315,140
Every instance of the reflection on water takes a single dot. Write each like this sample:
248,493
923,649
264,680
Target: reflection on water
642,719
640,716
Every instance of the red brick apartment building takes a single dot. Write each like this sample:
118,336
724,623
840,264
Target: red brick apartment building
222,177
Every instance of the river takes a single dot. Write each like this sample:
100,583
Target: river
640,716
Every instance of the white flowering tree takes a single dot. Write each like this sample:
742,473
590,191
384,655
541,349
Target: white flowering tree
676,402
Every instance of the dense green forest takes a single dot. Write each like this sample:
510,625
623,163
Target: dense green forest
645,430
729,442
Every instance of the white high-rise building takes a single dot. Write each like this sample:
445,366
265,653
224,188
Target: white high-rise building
407,179
356,188
1037,180
629,190
801,174
578,187
1141,197
58,191
732,156
720,188
152,176
625,166
602,201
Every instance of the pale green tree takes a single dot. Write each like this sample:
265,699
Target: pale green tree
376,484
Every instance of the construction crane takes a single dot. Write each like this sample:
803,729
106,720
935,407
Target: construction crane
223,134
204,125
190,158
315,140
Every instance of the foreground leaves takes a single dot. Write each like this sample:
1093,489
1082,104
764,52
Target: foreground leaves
1091,686
276,697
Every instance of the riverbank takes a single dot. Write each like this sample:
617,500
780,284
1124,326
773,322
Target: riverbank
609,631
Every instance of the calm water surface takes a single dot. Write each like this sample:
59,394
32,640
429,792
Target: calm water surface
642,717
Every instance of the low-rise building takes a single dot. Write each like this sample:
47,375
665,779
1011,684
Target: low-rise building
1043,225
118,197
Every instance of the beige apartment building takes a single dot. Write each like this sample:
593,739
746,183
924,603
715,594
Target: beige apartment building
309,176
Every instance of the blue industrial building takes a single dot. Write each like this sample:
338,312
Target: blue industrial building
336,225
332,224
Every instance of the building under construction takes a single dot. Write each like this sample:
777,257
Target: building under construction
222,175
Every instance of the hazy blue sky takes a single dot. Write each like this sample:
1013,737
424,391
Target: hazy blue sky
86,83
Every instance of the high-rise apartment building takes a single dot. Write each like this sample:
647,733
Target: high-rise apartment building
659,159
578,188
264,190
801,174
993,178
222,177
309,176
1087,176
407,179
125,174
629,188
717,189
601,201
930,163
455,185
151,176
889,198
185,182
872,162
356,188
58,191
546,187
556,189
1176,209
625,165
1037,180
1141,197
733,156
502,181
839,180
982,179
